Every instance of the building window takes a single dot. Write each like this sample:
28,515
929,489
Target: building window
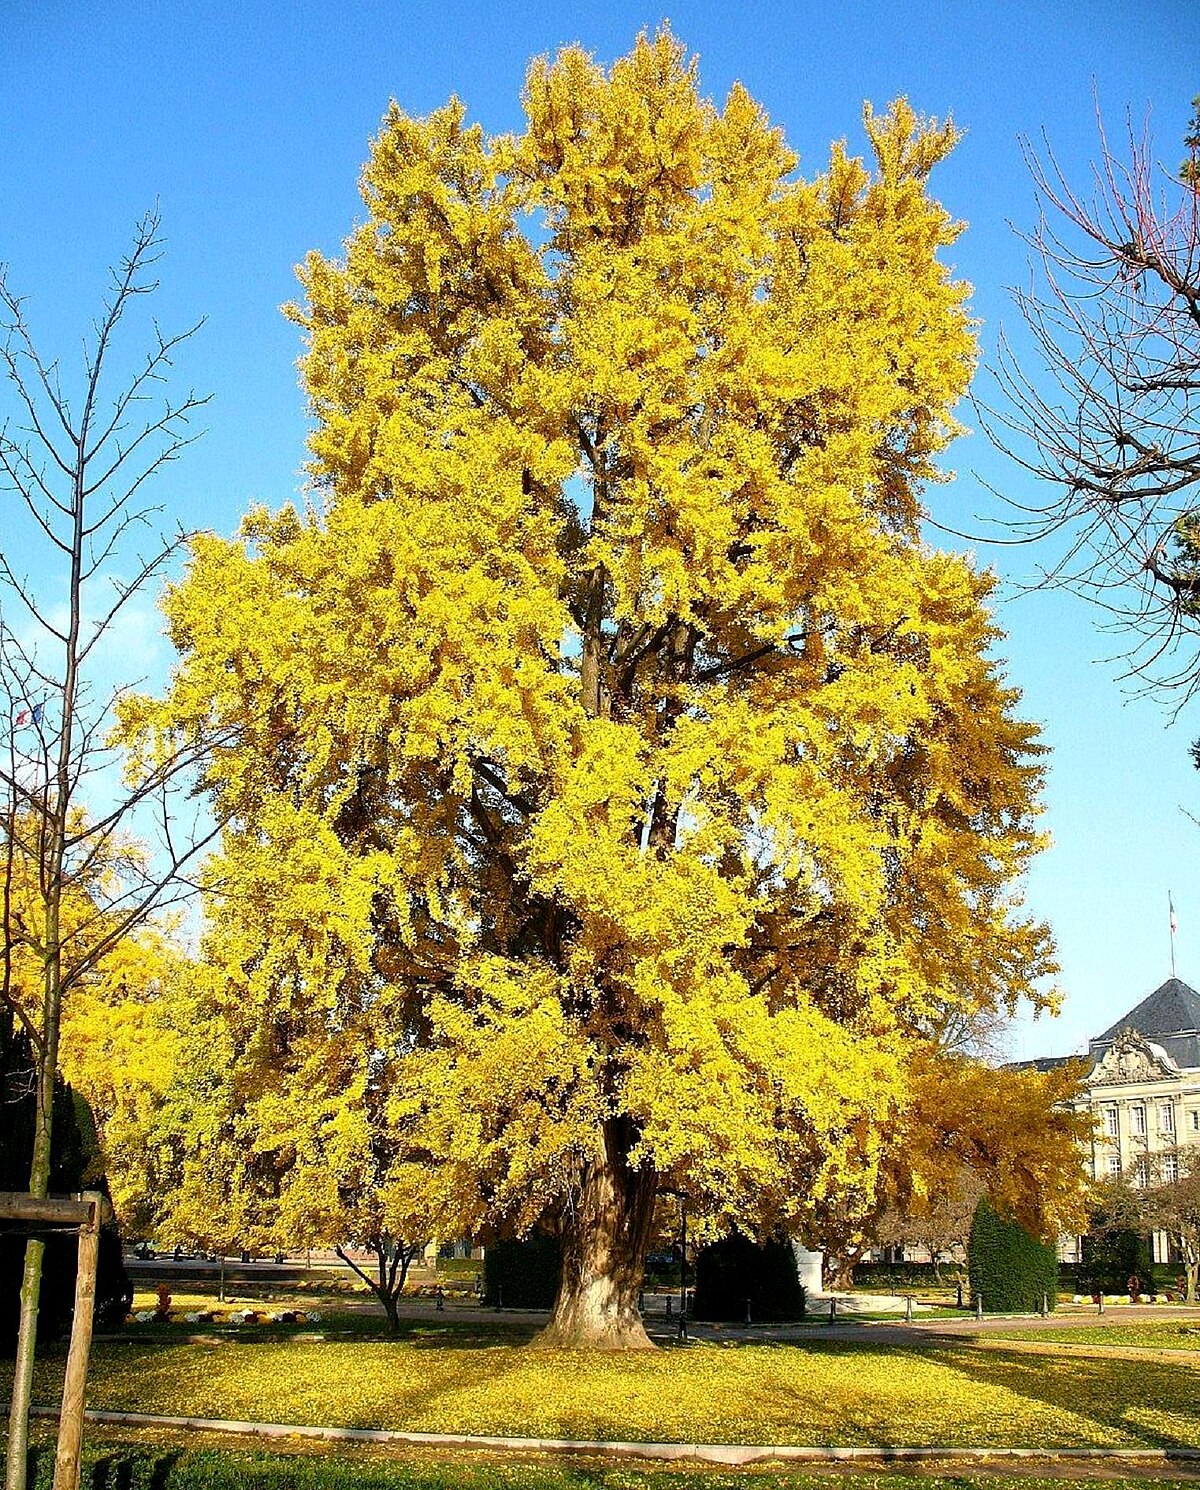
1195,1117
1137,1121
1166,1118
1110,1122
1141,1175
1170,1169
1114,1165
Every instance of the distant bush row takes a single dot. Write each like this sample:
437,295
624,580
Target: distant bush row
731,1277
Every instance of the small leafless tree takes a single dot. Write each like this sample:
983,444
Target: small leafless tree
1165,1198
938,1223
78,542
1111,418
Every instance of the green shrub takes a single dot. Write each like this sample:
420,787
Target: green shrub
75,1165
1111,1255
524,1273
1166,1276
735,1273
881,1276
1011,1271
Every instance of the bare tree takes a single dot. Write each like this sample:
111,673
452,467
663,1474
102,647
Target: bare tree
78,872
1173,1206
938,1223
1165,1198
1112,417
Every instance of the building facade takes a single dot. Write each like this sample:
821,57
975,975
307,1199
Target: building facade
1143,1090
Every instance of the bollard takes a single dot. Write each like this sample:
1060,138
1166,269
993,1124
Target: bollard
978,1306
1100,1302
908,1308
668,1306
499,1296
1045,1306
747,1313
959,1302
832,1309
641,1301
683,1334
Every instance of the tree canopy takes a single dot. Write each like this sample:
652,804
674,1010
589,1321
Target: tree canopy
617,787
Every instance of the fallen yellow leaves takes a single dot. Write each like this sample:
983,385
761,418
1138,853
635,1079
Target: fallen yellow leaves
818,1394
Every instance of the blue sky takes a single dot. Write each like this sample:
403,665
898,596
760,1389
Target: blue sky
248,123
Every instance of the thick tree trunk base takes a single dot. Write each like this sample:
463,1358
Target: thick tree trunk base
583,1323
604,1240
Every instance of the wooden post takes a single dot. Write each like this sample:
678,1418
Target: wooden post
84,1211
70,1422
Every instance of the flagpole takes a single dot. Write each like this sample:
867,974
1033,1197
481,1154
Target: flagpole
1171,923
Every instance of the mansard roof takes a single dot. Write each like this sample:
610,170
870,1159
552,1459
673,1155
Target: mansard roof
1169,1017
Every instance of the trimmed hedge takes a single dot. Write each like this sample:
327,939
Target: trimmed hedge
524,1273
1010,1271
735,1272
907,1274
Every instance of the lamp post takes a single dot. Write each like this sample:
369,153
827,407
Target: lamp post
683,1256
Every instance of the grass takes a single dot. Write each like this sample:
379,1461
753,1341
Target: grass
1151,1335
459,1267
478,1379
184,1299
820,1316
132,1464
328,1294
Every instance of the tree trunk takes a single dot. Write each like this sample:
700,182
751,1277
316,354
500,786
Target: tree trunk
604,1242
392,1260
70,1423
39,1185
839,1269
18,1416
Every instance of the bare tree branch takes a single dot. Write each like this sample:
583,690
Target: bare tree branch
76,882
1110,422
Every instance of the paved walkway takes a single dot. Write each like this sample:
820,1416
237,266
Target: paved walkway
930,1331
890,1331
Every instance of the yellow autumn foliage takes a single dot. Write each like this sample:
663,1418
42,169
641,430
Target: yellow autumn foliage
994,1394
620,789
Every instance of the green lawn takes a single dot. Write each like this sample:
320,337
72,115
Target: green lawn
118,1465
1152,1335
447,1378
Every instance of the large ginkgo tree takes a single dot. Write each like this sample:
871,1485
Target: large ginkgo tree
624,795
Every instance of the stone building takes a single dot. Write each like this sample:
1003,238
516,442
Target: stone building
1143,1089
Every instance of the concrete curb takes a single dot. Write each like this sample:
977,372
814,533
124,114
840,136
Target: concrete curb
707,1453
